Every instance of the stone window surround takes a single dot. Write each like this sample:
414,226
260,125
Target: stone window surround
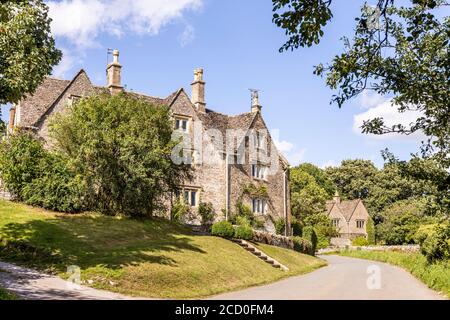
263,169
360,223
259,206
188,190
180,117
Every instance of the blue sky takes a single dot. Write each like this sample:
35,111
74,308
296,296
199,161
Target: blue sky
161,42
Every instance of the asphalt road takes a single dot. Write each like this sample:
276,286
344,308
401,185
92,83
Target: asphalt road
343,279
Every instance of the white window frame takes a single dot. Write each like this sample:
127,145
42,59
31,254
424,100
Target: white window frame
179,122
259,206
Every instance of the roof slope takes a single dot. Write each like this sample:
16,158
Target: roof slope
346,207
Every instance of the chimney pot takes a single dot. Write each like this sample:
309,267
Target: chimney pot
256,107
198,90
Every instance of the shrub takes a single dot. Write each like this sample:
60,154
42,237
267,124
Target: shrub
179,210
296,227
206,212
57,188
280,225
20,159
245,211
122,147
243,232
223,229
360,241
436,246
242,221
370,231
310,234
302,245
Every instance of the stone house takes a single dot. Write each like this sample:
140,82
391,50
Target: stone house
233,173
350,217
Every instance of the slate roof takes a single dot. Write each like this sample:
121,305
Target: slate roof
346,207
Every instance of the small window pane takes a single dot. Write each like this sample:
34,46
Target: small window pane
193,198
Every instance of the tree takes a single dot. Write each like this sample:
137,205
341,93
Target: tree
320,176
398,50
27,48
122,147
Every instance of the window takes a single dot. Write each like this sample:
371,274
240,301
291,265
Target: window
181,124
259,206
74,99
360,224
259,171
335,222
189,196
260,141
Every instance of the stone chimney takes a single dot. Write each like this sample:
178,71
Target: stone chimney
256,107
12,118
337,198
113,72
198,90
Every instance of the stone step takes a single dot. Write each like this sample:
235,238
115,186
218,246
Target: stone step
258,253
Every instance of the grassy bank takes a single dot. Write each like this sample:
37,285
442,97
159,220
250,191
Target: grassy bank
435,276
150,258
6,295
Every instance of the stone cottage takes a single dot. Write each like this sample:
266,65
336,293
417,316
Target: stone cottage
226,161
350,217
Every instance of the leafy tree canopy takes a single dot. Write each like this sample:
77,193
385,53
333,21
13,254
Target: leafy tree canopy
122,147
397,50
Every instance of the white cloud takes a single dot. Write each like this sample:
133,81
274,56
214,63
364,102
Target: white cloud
379,107
296,157
284,146
187,36
329,163
81,21
68,60
369,99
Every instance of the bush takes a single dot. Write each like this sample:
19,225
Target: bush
40,177
436,246
20,159
57,188
206,212
296,227
179,210
280,225
302,245
360,242
242,221
310,234
223,229
243,232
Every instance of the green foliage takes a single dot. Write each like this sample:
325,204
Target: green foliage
310,234
20,160
360,242
307,197
242,221
2,126
403,53
122,148
280,226
27,48
436,246
39,177
243,232
296,227
222,229
303,245
57,188
179,210
206,212
370,231
320,176
401,221
244,211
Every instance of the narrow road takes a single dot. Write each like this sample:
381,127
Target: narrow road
343,279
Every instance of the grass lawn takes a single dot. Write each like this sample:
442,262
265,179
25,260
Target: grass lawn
149,258
6,295
435,276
